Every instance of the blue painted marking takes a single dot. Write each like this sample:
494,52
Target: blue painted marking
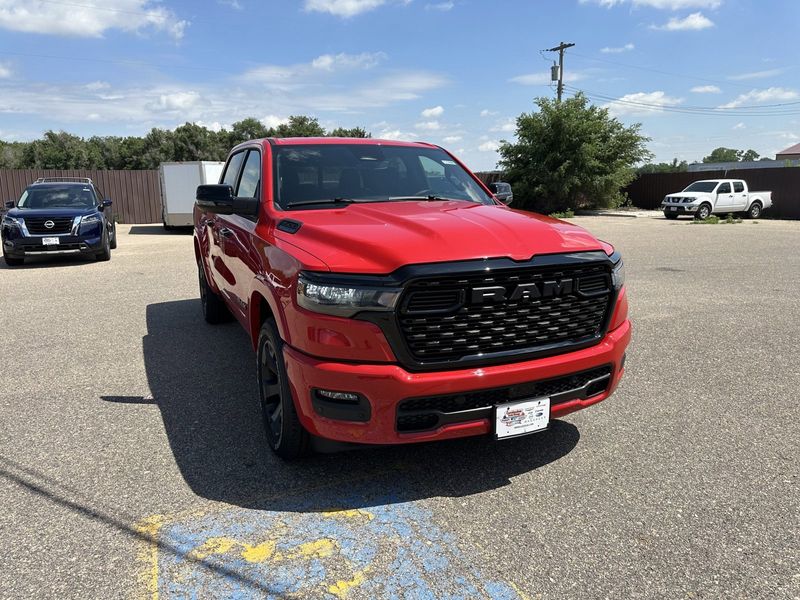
398,553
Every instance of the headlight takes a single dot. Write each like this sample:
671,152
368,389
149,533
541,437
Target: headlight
89,219
11,221
618,275
343,300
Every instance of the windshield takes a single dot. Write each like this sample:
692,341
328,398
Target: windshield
311,175
55,196
702,186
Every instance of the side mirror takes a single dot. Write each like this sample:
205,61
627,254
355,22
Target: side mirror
219,199
105,204
10,204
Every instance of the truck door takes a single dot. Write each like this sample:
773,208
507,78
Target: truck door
236,231
724,197
740,196
216,233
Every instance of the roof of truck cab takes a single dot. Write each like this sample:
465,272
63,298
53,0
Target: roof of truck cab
314,141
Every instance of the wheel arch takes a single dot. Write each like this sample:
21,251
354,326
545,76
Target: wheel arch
263,305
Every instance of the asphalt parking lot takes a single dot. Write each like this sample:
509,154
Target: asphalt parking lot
131,460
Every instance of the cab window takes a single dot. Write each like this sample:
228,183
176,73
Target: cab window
738,187
724,188
251,176
231,174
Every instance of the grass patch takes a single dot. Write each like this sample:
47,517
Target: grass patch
731,219
567,214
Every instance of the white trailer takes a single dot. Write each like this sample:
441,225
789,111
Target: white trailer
179,181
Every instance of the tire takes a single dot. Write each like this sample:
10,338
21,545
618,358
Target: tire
754,212
282,428
105,254
670,215
13,262
214,309
113,243
703,212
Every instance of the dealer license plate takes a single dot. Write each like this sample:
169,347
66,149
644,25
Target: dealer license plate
50,241
673,208
519,418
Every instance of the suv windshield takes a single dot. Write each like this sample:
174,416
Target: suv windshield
58,196
702,186
310,175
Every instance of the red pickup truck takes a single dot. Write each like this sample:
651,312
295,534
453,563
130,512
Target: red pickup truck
391,298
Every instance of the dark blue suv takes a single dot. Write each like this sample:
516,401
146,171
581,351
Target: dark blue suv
58,215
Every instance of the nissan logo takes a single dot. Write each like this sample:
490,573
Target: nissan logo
49,224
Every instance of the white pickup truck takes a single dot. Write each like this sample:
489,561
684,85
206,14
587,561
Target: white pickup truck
703,198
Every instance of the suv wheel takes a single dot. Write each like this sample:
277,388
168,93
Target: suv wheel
214,309
284,432
105,253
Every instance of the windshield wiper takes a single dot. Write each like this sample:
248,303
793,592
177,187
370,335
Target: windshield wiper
429,198
336,200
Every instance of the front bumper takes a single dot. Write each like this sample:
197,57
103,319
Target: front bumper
680,209
22,247
386,386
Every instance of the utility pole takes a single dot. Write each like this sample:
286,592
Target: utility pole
560,49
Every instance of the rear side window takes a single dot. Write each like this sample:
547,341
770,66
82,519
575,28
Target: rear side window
231,173
251,176
725,188
738,187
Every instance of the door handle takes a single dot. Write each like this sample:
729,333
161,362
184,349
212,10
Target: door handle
225,232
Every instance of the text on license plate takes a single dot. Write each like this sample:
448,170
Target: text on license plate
50,241
526,416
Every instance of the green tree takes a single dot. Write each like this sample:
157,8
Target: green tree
750,156
247,129
300,126
571,154
353,132
722,154
664,167
57,150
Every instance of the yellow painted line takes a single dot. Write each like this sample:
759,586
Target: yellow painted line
342,587
316,549
522,594
148,553
341,513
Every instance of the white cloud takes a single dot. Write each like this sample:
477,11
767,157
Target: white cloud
641,103
395,134
5,70
773,94
706,89
507,126
452,139
488,113
274,121
234,4
333,62
693,22
428,126
442,6
756,75
544,78
659,4
740,126
430,113
96,86
618,50
489,146
89,18
176,101
343,8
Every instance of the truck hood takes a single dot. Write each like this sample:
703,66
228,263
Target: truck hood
382,237
692,195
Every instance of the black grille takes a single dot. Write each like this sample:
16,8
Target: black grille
60,225
420,414
439,322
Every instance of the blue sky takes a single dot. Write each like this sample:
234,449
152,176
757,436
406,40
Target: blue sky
454,72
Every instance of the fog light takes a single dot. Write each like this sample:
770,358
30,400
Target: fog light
339,396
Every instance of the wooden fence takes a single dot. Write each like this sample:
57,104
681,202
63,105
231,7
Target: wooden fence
136,194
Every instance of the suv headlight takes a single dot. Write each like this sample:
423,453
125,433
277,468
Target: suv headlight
618,275
11,221
90,219
342,300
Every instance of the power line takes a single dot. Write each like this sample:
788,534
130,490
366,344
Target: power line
560,49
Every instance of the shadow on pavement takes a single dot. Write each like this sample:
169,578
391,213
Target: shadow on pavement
56,261
202,378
